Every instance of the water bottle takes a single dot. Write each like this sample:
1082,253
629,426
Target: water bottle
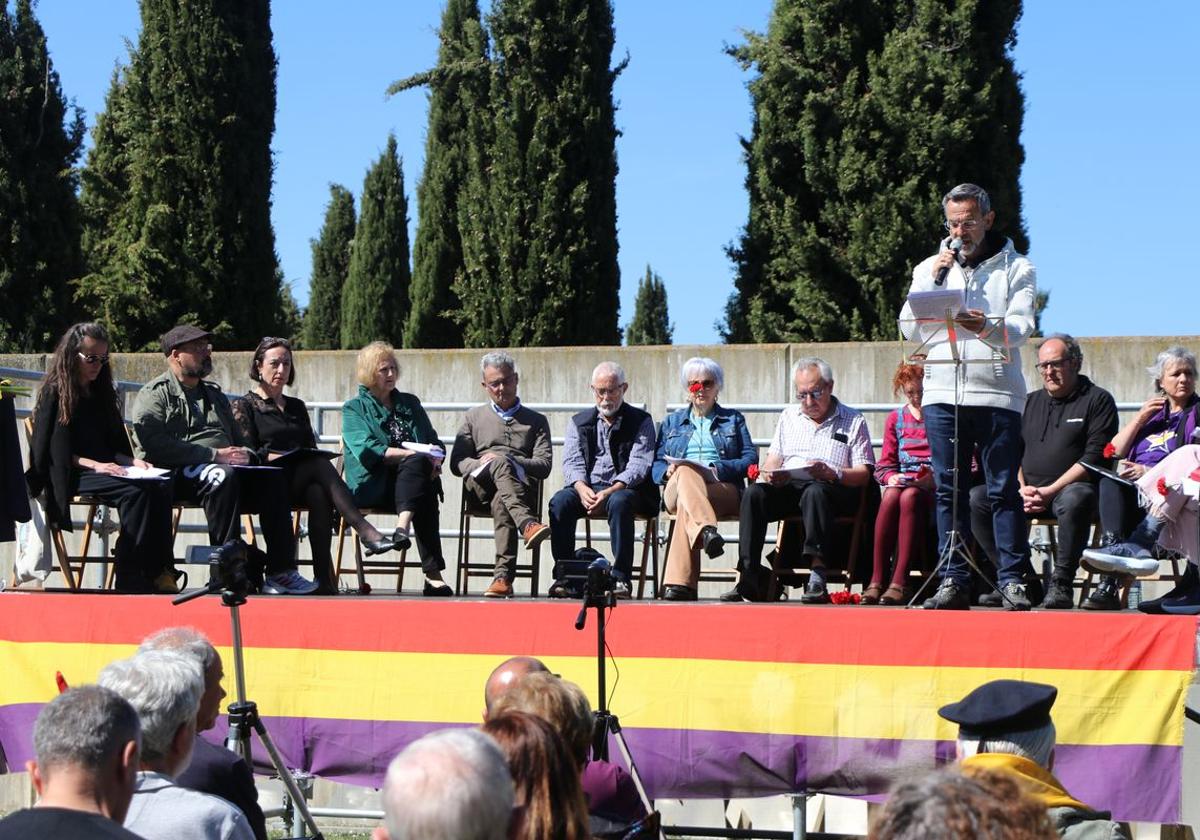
1135,594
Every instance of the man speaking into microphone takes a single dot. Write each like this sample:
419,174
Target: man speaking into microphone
1000,287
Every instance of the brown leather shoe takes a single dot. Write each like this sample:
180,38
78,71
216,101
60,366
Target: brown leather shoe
534,533
500,588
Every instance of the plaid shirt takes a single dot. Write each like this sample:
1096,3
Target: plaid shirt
842,441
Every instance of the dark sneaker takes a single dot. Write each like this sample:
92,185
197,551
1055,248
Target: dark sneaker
1127,558
1106,596
1187,603
991,598
712,542
815,593
951,595
1188,581
1060,596
675,592
1016,598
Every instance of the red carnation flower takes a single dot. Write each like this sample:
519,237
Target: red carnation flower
752,472
1162,486
364,588
1110,451
695,388
845,597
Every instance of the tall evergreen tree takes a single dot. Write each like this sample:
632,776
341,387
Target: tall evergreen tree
545,183
178,186
40,142
330,267
458,87
651,323
375,297
866,112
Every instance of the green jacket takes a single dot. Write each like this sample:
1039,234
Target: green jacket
364,440
168,433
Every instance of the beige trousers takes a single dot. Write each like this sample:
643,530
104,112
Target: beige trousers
695,504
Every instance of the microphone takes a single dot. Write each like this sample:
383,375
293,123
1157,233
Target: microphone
955,246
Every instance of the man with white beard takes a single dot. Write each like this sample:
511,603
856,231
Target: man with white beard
607,457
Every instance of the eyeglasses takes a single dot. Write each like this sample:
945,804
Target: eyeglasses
702,383
497,384
814,395
608,392
93,359
276,342
965,224
1052,364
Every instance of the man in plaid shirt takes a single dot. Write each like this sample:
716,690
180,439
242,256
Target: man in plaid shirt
819,458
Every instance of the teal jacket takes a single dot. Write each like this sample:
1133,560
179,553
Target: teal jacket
364,440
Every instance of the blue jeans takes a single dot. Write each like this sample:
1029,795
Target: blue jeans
620,507
996,433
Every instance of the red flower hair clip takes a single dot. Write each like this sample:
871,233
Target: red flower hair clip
1161,487
695,387
1110,451
752,472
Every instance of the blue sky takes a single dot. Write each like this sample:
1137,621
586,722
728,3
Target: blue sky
1110,136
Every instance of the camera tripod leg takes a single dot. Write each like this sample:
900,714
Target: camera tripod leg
299,803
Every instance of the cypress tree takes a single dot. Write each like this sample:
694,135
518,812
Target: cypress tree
545,184
458,87
177,200
330,267
866,112
40,143
650,324
375,297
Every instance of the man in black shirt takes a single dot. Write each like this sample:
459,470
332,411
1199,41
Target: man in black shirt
87,742
1068,421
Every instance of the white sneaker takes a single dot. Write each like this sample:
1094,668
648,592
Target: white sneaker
1125,558
288,583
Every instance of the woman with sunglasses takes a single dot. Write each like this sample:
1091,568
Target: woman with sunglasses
277,425
703,454
80,447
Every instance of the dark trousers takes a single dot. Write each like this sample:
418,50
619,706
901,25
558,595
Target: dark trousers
415,489
818,502
566,509
144,545
1119,509
1074,507
226,492
996,434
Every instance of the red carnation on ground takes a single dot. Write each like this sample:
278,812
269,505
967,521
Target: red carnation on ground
1161,487
752,472
695,388
1110,451
845,596
364,588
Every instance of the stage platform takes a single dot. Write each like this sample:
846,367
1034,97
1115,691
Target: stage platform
716,700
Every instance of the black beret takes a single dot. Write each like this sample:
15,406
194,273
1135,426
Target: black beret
1003,706
181,334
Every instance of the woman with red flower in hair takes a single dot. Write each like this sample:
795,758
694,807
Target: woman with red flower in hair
906,475
703,454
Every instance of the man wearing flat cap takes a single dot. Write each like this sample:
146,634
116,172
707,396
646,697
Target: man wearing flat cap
1005,726
182,421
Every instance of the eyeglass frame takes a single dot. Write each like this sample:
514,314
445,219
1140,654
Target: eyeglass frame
815,394
93,358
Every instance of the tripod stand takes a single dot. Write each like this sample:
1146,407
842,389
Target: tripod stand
956,544
606,721
243,714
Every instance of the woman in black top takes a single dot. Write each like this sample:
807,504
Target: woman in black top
275,424
80,448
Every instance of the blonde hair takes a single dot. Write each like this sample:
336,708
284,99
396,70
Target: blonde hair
369,358
559,702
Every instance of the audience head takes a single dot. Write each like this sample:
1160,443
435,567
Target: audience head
559,702
1174,373
506,674
273,363
80,363
702,380
1059,359
609,387
86,742
949,805
500,378
1006,716
189,351
164,688
450,785
545,777
813,379
910,379
376,367
969,216
190,641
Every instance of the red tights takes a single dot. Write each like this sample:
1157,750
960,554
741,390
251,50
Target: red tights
900,527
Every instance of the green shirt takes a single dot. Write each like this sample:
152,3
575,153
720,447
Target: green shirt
365,439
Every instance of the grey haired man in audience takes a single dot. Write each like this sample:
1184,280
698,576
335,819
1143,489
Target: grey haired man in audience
165,687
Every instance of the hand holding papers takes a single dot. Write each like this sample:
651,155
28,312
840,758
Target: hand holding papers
146,473
792,474
709,473
935,304
430,450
